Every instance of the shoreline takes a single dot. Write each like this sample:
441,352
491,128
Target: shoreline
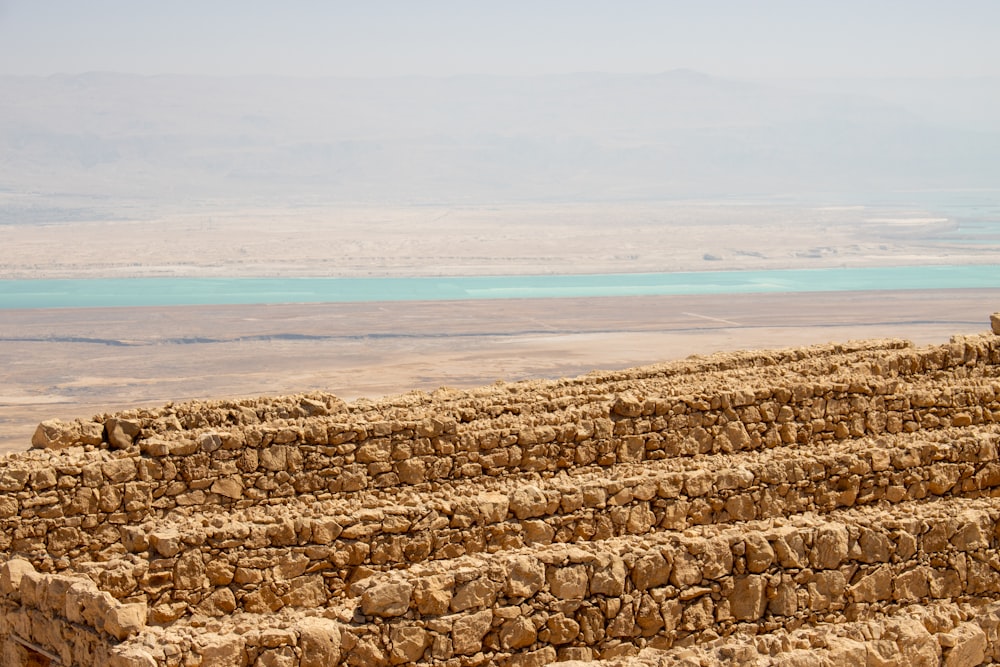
190,292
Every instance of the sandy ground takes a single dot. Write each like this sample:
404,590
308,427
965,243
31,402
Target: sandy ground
230,239
76,363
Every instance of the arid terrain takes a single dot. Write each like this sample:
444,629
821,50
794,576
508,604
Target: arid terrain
68,363
831,504
73,363
230,239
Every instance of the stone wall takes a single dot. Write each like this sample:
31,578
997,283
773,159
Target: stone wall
519,523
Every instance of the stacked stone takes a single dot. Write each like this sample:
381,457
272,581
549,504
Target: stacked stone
685,504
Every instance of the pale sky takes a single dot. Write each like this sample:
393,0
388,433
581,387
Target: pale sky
735,38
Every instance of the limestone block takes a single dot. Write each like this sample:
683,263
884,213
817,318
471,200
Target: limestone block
43,478
543,656
221,650
875,586
468,631
527,502
97,606
306,592
411,471
276,637
118,471
54,597
525,576
124,620
717,558
995,323
561,629
759,553
517,633
11,573
748,601
408,644
829,547
219,603
432,594
876,547
631,449
640,519
650,571
568,583
966,646
209,442
609,576
57,434
166,542
13,479
229,487
131,656
785,601
189,571
122,432
8,507
915,645
910,586
31,588
277,657
493,507
476,594
733,438
319,641
623,624
789,549
971,532
686,569
386,599
219,572
273,458
648,616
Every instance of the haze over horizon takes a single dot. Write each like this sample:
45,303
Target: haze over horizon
728,38
447,101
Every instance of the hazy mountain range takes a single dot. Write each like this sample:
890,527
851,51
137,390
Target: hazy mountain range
167,139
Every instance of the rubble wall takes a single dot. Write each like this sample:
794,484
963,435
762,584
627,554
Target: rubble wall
523,524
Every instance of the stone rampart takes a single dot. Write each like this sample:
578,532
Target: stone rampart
516,524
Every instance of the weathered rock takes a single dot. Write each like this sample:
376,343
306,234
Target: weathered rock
57,434
838,490
525,577
121,433
124,620
468,631
966,646
386,599
319,641
527,502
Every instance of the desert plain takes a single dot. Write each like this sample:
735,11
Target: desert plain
76,362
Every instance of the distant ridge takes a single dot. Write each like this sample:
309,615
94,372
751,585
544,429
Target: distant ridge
585,136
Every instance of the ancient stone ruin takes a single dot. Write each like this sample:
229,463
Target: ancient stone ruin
828,505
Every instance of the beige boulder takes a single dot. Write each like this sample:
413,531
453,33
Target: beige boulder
57,434
386,599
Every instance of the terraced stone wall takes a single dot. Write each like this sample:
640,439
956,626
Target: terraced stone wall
59,507
514,524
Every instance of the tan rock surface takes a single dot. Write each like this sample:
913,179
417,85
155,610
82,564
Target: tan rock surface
835,503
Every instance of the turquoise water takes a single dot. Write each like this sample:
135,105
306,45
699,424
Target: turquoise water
123,292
